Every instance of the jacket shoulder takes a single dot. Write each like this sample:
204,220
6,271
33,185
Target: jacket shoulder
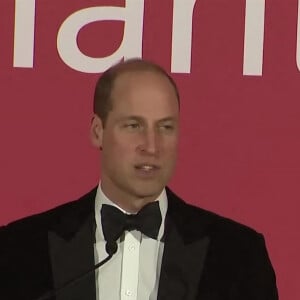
41,223
198,221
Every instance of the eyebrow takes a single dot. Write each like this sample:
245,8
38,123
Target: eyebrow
141,119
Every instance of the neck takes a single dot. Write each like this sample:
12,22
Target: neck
132,207
131,203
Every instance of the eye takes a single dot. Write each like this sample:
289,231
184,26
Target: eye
166,127
132,125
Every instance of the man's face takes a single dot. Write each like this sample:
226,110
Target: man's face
140,137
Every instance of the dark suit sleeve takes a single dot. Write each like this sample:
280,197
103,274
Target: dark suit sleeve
257,277
24,264
9,272
237,266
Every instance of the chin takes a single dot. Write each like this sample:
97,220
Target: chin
148,191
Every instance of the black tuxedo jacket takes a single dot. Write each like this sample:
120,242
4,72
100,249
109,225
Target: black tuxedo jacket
206,257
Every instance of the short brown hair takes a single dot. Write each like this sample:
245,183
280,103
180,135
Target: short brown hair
105,84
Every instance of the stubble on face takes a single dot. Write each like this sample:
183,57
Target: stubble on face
139,139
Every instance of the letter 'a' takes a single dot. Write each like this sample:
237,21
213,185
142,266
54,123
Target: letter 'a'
131,45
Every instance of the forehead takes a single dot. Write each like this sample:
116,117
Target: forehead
144,90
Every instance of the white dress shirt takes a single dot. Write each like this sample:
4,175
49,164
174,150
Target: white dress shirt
133,271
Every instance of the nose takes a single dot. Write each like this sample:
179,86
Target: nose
149,142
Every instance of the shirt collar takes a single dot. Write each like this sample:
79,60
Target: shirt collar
101,199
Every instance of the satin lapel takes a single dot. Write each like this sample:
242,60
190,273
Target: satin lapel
182,266
186,246
71,258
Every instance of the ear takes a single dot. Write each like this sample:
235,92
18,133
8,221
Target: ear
96,132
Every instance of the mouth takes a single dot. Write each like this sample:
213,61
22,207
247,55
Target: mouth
146,170
146,167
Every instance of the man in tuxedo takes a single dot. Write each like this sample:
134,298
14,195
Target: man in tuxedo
158,247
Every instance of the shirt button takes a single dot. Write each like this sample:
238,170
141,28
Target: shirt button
128,293
131,247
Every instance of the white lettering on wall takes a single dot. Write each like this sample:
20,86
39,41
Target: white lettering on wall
131,45
254,37
182,36
24,33
298,39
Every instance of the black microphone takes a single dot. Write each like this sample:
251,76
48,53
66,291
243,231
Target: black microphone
111,248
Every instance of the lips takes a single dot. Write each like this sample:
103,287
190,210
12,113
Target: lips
146,167
146,170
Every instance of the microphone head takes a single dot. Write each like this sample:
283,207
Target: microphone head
111,247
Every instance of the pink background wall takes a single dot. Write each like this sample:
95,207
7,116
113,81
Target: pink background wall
240,134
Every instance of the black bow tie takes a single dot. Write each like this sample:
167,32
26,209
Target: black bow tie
115,222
